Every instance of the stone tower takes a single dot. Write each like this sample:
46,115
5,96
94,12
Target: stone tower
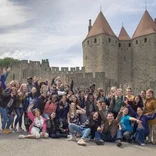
125,57
100,49
144,53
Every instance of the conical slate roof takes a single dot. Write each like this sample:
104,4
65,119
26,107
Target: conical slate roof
101,26
123,34
146,26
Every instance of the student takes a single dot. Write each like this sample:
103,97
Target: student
137,103
129,96
20,102
38,127
90,105
73,114
7,105
125,128
108,131
84,131
50,106
40,102
141,129
54,128
117,102
150,108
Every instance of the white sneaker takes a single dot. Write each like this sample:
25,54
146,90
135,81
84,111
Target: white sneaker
72,138
81,142
142,144
21,136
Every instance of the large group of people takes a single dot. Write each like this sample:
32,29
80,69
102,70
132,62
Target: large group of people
51,109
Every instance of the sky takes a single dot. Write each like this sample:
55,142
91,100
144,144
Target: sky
55,29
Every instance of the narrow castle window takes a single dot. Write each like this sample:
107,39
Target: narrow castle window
129,45
145,40
136,41
119,44
95,40
88,42
109,39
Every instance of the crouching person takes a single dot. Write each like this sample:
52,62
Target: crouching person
54,128
38,127
84,131
108,132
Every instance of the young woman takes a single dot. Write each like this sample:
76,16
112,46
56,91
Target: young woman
90,105
150,108
84,131
143,96
54,128
50,106
31,100
20,102
141,129
7,105
62,111
137,103
125,128
73,114
38,127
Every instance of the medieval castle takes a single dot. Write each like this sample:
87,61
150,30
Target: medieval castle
107,59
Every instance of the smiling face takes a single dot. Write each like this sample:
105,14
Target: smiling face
37,113
137,99
139,111
125,111
149,94
95,116
110,117
72,106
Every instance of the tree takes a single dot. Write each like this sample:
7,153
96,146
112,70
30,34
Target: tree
6,62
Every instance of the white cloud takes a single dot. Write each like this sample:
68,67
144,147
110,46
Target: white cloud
38,29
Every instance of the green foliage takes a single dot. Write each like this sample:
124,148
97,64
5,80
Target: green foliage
6,62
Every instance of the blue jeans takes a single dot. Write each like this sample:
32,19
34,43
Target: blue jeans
19,113
7,119
105,137
126,135
140,135
84,132
46,115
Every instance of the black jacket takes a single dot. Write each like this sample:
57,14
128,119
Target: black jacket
53,126
5,101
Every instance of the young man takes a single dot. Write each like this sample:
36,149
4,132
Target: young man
108,132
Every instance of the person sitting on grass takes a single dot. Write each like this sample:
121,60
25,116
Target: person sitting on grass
38,127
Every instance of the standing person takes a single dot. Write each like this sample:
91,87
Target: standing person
7,105
129,96
50,106
150,107
90,105
143,96
92,88
20,102
29,84
4,76
117,102
137,103
38,127
40,102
